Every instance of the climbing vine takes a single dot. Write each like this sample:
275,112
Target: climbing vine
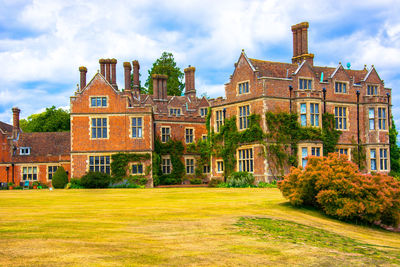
174,149
358,154
120,162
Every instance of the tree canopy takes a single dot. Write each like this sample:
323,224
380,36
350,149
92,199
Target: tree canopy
394,150
51,120
166,65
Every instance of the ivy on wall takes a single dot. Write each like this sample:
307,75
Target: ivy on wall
174,149
120,164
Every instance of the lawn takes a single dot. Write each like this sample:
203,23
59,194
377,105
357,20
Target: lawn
169,226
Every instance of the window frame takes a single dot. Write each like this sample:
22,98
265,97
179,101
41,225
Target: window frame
101,127
203,112
383,159
137,127
341,87
105,165
314,116
165,137
382,118
190,167
373,159
239,88
375,90
309,83
245,159
342,118
34,175
371,119
192,135
52,172
303,114
219,120
175,112
24,151
137,165
101,97
167,167
243,118
219,163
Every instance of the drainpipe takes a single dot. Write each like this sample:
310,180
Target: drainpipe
12,172
324,95
358,126
290,97
224,111
7,168
388,102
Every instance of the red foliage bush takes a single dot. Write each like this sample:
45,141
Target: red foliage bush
339,189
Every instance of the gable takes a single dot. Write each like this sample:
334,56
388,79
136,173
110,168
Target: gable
372,77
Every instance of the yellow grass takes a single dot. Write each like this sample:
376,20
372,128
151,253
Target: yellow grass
191,226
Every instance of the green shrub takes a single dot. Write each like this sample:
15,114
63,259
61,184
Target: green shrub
196,181
60,178
240,179
95,180
75,184
222,185
137,179
214,182
339,189
267,185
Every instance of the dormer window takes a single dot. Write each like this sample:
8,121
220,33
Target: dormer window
305,84
98,101
175,111
24,150
203,112
372,90
243,88
340,87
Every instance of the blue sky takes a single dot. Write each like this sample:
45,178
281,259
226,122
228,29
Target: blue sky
42,43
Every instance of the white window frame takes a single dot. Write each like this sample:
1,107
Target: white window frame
314,114
383,159
244,114
96,127
25,151
137,129
106,165
29,173
246,160
189,134
220,166
371,119
137,168
190,165
101,98
373,159
166,165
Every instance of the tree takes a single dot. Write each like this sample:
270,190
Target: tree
394,150
166,65
60,178
51,120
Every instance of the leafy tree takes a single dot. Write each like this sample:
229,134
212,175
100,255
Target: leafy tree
60,178
166,65
51,120
394,150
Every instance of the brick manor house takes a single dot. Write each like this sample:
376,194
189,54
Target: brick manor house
106,120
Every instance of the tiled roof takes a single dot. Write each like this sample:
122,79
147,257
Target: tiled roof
7,128
45,144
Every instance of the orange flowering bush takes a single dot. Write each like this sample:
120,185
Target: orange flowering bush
336,186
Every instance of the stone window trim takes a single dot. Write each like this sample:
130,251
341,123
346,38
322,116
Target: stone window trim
372,90
219,166
346,116
245,159
204,137
206,169
379,118
243,114
166,165
203,112
99,164
341,150
378,158
32,170
219,120
51,169
131,127
174,112
190,165
308,148
307,115
24,151
188,136
165,135
101,99
383,159
337,86
136,168
309,82
90,126
243,88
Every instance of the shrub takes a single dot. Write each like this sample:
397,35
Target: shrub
60,178
196,181
95,180
214,182
223,185
267,185
240,179
337,187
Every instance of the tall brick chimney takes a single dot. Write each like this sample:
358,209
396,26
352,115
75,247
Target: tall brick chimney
190,89
136,83
16,129
113,63
102,62
300,43
108,70
83,71
160,87
127,75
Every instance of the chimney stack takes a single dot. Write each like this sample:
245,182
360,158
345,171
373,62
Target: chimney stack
159,87
83,71
136,83
102,62
127,71
190,90
16,129
113,63
300,43
108,70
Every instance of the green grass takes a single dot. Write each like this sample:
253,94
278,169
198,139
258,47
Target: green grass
169,226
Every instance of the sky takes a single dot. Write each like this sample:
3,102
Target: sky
43,43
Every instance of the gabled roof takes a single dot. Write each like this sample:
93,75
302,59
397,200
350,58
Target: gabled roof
273,69
5,128
45,144
99,76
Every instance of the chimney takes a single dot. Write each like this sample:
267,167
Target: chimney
16,129
300,44
127,71
136,83
102,62
108,70
159,87
190,90
83,71
113,63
